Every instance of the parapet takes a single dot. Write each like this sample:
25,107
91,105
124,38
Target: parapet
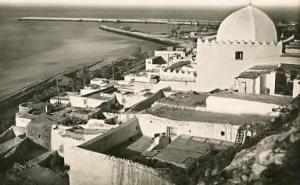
236,42
176,72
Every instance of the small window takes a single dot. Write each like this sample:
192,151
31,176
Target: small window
222,133
84,102
239,55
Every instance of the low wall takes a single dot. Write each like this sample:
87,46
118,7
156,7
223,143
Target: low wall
176,86
145,104
139,86
60,143
152,124
88,167
238,106
114,137
181,107
79,101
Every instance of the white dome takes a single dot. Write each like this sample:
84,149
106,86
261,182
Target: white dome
247,24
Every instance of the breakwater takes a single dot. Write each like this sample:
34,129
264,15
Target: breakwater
140,35
121,20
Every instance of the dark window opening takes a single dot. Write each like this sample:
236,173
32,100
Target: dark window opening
39,136
239,55
222,133
294,75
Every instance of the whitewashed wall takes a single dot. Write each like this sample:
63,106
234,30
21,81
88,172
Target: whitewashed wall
217,67
296,88
152,124
238,106
78,101
21,121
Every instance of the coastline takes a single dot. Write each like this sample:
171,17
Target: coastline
10,101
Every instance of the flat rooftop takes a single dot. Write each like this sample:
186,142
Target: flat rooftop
208,117
278,100
183,152
191,99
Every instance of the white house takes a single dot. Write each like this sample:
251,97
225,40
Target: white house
101,100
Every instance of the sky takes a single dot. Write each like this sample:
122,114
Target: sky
155,3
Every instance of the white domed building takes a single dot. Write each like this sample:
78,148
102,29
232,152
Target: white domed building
244,39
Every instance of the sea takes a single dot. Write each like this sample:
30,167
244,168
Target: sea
30,51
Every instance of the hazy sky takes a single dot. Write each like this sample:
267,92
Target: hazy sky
158,2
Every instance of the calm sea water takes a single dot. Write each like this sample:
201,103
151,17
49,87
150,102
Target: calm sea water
31,50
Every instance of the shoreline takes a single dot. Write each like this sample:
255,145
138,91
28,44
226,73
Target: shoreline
11,100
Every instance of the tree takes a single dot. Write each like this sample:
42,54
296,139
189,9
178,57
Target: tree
139,55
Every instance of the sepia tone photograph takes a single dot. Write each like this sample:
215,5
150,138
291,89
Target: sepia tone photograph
140,92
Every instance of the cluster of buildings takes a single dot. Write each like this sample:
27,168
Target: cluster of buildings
157,126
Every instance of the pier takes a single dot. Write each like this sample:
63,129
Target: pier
140,35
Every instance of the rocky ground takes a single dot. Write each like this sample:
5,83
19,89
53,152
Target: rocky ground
270,158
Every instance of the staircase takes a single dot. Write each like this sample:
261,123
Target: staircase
241,134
